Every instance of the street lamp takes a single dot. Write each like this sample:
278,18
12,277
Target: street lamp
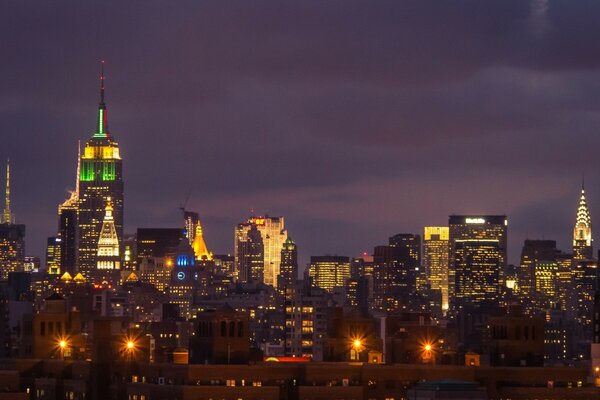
357,346
62,345
427,352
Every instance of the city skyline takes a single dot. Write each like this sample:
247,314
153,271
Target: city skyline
305,170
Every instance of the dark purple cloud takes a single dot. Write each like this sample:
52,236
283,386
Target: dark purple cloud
355,120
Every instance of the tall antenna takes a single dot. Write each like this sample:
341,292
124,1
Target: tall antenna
102,77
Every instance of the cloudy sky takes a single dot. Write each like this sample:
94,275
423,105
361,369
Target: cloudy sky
354,120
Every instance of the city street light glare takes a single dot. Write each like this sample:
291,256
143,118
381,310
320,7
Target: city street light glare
62,344
357,343
427,347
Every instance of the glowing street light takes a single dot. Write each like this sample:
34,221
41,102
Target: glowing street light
130,345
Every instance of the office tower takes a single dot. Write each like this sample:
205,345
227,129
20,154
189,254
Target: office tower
157,242
436,249
582,232
329,272
12,237
53,250
273,234
129,252
412,244
67,225
224,264
100,178
184,283
477,272
538,275
108,256
250,257
474,228
193,231
288,273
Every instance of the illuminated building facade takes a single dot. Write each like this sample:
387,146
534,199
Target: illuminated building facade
100,178
306,319
477,272
108,256
582,232
288,273
436,252
538,274
473,228
53,250
193,231
250,260
273,233
329,272
12,237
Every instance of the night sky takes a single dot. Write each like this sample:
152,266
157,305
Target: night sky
354,120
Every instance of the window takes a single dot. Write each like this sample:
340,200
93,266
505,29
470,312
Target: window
42,328
231,329
240,329
223,328
50,328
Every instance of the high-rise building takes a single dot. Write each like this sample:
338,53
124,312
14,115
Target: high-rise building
288,272
12,237
273,233
100,178
486,229
250,257
436,249
53,250
412,244
108,256
477,272
538,274
193,231
329,272
582,232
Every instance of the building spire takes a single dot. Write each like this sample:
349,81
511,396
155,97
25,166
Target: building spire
7,216
582,232
78,169
102,125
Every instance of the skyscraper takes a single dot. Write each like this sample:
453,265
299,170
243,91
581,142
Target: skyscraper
250,257
412,257
288,272
538,274
100,178
477,272
53,249
478,253
328,272
273,233
108,256
12,237
436,249
67,226
582,232
193,231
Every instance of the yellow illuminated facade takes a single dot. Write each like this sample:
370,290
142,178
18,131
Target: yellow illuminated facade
436,254
477,264
274,235
328,272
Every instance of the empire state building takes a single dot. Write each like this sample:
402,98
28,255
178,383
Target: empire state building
100,179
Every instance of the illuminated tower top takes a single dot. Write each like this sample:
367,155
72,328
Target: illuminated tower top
582,232
200,249
7,216
108,243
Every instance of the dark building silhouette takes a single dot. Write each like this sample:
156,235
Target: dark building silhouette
221,337
288,271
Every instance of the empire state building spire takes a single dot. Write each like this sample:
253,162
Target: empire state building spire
102,125
582,232
7,216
